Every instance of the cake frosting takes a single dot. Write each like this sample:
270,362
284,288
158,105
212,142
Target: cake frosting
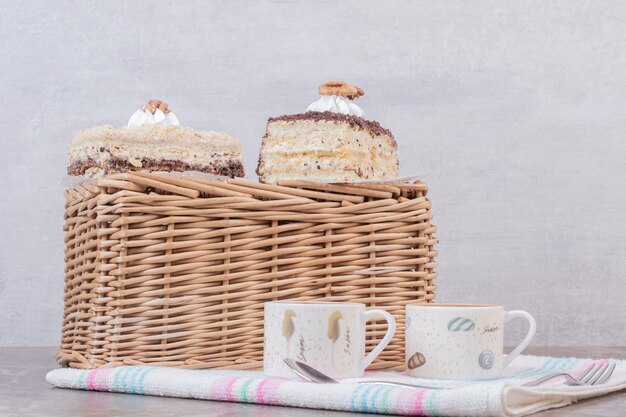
153,141
154,113
330,142
336,104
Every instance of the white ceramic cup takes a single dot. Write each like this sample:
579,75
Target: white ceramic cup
460,341
327,336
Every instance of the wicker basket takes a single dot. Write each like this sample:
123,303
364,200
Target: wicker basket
174,271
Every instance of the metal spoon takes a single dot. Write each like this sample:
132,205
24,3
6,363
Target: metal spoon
313,375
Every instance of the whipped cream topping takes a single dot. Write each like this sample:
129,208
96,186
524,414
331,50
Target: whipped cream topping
144,116
336,104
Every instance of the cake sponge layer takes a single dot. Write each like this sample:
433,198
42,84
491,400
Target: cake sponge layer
326,147
105,149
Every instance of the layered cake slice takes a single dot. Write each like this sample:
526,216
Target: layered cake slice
331,142
153,141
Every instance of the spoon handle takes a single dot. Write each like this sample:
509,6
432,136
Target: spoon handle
400,384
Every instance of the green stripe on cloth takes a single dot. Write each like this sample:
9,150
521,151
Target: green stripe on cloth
82,381
384,404
243,391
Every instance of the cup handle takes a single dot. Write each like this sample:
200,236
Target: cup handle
391,330
509,315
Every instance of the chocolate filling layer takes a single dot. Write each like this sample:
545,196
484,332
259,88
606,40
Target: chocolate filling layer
355,121
231,168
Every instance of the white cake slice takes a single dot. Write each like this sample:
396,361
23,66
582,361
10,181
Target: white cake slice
153,141
331,142
326,147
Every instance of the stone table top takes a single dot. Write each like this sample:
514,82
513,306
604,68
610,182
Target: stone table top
24,392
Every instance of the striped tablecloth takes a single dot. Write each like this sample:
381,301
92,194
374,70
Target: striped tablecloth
501,397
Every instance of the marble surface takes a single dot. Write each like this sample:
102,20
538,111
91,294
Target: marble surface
24,393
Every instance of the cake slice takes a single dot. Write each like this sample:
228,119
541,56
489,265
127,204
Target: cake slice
153,141
329,143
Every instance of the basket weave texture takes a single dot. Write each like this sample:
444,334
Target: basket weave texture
174,271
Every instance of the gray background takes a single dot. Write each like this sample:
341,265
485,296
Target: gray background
516,111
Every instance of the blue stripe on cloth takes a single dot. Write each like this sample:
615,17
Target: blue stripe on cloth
355,394
363,404
125,373
372,406
359,398
138,378
132,379
385,400
142,387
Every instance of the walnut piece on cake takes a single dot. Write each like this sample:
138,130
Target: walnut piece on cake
153,141
331,142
